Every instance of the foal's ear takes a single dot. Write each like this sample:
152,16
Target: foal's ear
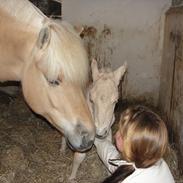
118,73
95,71
43,38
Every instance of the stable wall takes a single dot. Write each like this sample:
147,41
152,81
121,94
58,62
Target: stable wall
121,30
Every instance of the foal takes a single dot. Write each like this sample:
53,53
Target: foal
102,97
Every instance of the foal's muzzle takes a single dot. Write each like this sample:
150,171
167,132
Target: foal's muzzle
102,134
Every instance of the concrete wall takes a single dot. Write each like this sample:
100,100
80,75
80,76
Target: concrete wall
119,30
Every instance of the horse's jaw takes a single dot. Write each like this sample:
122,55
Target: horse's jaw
77,136
63,106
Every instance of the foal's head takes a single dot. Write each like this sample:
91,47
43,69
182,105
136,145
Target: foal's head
103,96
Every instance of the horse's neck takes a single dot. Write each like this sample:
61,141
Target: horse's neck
24,11
16,43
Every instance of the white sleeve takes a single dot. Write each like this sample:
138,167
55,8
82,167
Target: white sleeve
106,151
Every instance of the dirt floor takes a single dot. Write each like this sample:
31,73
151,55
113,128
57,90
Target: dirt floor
30,149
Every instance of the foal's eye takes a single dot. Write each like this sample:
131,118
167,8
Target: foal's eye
54,82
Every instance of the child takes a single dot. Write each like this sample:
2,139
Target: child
142,141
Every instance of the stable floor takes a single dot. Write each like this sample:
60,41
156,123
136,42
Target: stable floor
30,149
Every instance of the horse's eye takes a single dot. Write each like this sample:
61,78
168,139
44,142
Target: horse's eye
54,82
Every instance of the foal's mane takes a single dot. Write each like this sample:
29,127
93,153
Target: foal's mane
65,54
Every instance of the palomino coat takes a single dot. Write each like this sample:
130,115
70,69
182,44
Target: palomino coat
157,173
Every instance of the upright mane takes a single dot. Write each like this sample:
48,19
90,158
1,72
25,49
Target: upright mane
65,54
24,11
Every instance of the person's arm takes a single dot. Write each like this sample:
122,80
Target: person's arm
106,151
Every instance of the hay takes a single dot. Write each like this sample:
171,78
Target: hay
30,150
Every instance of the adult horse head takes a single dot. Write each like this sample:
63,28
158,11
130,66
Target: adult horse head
49,59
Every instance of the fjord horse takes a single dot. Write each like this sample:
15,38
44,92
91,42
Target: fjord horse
49,60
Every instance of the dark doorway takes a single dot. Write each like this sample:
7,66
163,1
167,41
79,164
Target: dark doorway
50,8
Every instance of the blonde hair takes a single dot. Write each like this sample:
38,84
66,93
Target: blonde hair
144,136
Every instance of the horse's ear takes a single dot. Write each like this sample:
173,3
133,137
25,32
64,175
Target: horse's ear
43,38
94,69
118,73
79,29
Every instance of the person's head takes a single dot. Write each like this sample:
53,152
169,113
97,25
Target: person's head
143,136
142,139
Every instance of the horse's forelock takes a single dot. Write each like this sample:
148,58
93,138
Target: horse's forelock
65,55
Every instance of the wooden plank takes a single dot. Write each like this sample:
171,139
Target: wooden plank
168,58
171,90
176,113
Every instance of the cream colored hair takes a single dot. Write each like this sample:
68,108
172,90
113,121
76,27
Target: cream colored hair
64,54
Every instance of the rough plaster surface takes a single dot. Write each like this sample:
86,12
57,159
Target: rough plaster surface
136,35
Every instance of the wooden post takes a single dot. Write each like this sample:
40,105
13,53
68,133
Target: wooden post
171,87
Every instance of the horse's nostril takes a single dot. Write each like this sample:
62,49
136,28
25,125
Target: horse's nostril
84,133
86,136
90,143
86,142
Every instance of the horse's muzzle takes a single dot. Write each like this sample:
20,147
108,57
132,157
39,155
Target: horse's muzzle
81,140
86,143
84,146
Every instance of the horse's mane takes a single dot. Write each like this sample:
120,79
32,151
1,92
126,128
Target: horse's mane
65,53
24,11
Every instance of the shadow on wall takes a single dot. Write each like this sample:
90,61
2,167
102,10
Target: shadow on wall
95,43
98,47
99,44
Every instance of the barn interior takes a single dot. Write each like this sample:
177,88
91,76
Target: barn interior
145,34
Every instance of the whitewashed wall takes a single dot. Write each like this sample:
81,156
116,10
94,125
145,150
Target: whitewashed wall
120,30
